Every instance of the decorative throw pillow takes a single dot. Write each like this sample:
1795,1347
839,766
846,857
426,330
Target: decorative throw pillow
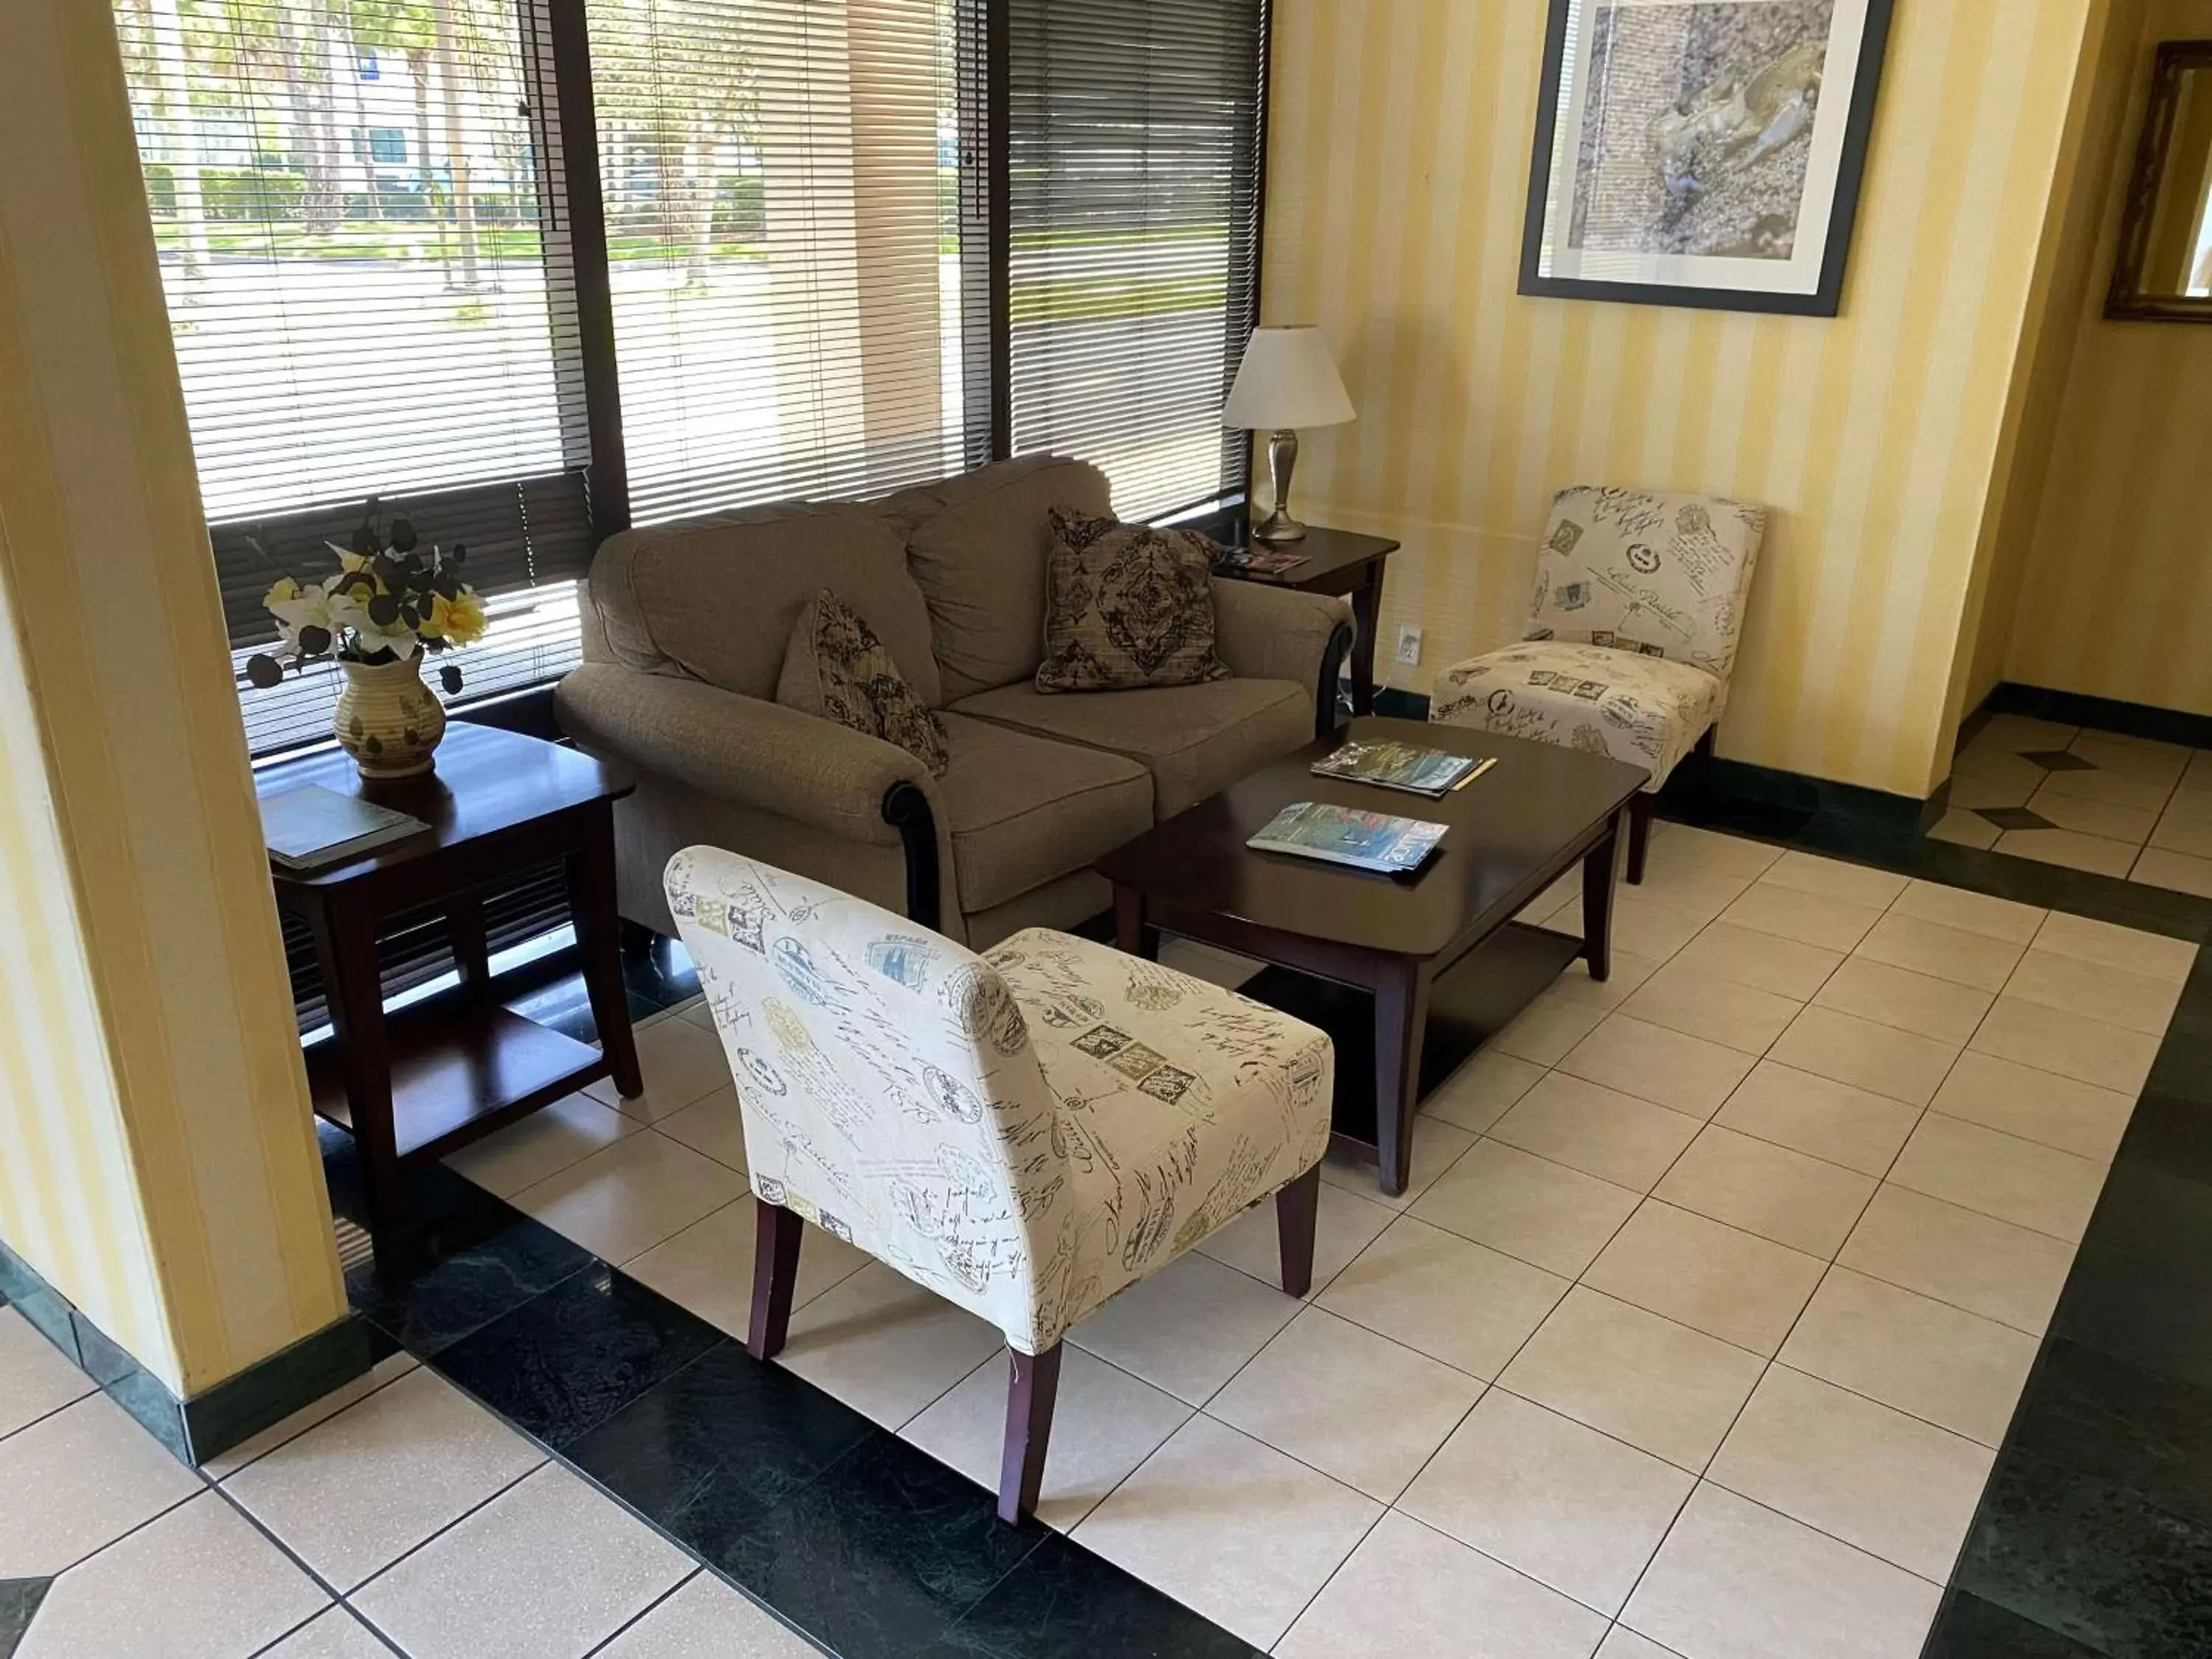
1126,606
836,668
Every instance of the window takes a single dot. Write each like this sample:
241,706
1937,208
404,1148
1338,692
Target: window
848,245
1134,142
346,328
780,181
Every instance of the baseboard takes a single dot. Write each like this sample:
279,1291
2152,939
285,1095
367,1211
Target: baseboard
2130,720
207,1424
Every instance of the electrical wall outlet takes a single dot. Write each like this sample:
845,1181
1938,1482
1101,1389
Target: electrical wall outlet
1409,646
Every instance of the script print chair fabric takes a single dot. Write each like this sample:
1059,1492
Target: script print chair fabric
1025,1133
1631,638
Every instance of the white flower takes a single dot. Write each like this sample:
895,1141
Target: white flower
298,609
350,612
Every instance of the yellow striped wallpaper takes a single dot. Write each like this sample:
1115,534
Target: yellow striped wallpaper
2113,563
158,1163
1397,179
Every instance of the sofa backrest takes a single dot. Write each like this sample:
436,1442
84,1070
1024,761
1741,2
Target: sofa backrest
717,597
976,544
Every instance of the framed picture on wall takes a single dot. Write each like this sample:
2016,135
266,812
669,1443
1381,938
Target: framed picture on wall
1702,153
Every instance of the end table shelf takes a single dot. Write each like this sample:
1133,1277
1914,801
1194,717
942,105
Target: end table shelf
458,1073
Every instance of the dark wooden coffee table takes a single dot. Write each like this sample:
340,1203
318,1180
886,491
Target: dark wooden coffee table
1413,945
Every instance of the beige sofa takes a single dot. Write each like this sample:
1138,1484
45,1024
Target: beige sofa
684,636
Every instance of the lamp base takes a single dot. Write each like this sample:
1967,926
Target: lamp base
1282,462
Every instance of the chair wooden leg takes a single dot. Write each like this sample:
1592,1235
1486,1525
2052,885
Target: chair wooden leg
1296,1207
1031,1386
776,1233
1640,836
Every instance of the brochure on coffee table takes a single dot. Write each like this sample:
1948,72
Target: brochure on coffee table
1407,766
1376,842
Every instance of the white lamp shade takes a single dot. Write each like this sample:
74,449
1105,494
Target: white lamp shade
1287,381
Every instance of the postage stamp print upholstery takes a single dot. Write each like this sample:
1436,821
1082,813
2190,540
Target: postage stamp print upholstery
1633,632
1027,1132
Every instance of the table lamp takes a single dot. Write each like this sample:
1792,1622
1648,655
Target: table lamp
1286,380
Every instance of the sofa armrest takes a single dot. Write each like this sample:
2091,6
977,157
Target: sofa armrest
743,748
1267,633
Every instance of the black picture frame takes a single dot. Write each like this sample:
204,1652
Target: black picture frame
1824,302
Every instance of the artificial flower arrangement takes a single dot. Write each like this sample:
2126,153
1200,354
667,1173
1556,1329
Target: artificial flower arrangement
391,604
388,600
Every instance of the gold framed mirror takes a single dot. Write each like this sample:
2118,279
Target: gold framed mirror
2164,270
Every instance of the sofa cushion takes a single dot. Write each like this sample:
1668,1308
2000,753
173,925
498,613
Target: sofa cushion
1195,739
976,544
1127,606
836,669
717,597
1022,810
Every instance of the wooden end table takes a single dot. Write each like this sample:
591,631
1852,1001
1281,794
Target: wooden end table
416,1084
1337,563
1418,954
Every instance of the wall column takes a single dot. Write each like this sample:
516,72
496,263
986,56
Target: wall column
158,1161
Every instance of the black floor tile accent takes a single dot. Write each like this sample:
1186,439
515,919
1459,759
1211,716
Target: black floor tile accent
882,1554
2058,760
19,1605
1063,1602
2118,1425
566,1361
429,1284
1969,1628
2147,1310
2090,1558
705,1454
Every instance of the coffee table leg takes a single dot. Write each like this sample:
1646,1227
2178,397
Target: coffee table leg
1600,876
1402,1015
1131,936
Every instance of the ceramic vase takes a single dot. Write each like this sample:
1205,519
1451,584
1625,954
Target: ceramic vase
387,720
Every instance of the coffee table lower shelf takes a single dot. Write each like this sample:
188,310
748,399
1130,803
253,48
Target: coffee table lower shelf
1470,1003
459,1071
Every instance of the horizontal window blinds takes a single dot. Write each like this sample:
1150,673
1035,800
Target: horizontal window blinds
369,293
782,183
1134,136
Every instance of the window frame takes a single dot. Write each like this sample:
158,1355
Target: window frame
552,40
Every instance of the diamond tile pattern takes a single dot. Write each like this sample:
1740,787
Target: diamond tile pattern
2109,804
2014,818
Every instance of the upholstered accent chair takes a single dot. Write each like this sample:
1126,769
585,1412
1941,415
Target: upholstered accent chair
1631,640
1025,1133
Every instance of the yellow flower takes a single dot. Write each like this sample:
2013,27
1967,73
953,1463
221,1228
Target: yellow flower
457,620
283,593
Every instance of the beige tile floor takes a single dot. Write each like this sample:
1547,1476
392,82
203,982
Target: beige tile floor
1709,1302
456,1537
1704,1314
2139,809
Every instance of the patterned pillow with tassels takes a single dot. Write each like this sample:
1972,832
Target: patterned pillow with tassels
1128,606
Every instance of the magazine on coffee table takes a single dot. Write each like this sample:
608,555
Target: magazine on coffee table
1406,766
1376,841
